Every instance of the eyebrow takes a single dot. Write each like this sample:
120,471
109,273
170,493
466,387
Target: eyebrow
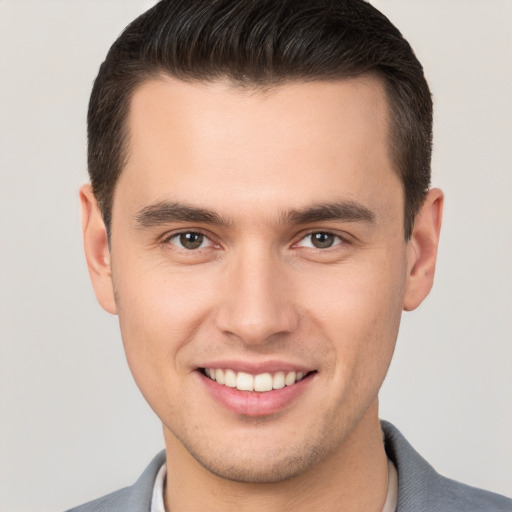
166,212
346,211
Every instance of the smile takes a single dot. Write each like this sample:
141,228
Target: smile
262,382
256,390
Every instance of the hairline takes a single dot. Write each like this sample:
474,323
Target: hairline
160,74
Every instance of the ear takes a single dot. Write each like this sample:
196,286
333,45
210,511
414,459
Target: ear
422,250
96,248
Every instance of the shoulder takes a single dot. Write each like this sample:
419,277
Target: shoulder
458,496
135,498
422,489
115,501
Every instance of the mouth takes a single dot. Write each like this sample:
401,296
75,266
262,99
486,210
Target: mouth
260,383
256,389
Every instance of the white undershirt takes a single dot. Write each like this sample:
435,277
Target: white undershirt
392,495
157,501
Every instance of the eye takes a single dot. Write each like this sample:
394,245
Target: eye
190,240
320,240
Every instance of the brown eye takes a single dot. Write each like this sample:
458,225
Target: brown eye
189,240
323,240
320,240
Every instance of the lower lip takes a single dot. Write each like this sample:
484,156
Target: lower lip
255,403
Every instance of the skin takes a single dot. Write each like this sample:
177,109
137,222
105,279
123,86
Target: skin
257,290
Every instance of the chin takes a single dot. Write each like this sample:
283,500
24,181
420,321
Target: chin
269,462
260,471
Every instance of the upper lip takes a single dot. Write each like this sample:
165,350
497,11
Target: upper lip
256,368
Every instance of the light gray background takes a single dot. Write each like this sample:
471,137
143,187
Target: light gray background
72,423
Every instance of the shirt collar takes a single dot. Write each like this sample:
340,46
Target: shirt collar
157,501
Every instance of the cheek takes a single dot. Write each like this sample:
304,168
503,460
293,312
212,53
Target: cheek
360,316
159,313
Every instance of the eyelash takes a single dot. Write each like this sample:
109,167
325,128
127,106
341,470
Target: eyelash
339,240
168,240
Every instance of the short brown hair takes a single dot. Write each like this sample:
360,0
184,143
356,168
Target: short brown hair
262,43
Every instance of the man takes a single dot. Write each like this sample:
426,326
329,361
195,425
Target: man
259,215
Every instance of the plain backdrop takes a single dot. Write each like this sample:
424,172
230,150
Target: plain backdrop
73,425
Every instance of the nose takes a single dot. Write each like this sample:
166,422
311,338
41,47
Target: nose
257,300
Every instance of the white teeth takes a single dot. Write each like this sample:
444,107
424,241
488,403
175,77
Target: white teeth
219,376
290,378
278,381
230,378
263,382
246,382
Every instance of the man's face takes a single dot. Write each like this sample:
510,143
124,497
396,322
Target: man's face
259,233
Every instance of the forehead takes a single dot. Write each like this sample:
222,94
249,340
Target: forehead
297,141
331,110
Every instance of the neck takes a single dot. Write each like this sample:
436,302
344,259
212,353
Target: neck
353,478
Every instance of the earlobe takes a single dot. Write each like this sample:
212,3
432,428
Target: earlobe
422,250
96,248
